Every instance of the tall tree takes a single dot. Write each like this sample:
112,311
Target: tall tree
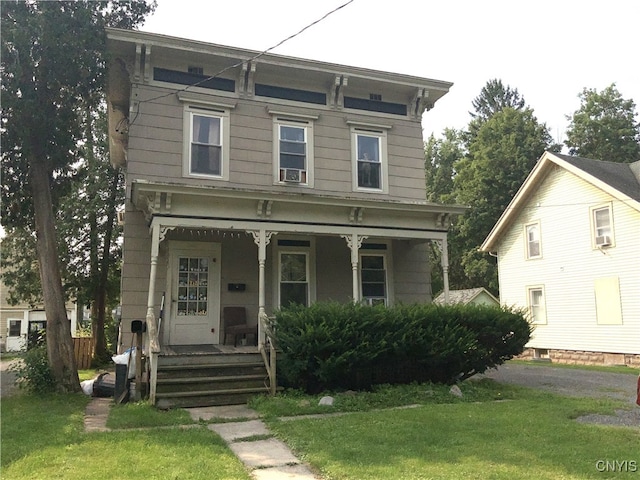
604,127
89,217
52,64
440,157
495,97
501,155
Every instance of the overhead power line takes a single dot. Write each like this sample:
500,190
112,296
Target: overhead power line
230,67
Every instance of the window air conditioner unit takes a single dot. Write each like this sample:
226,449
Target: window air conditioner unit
121,217
603,241
292,175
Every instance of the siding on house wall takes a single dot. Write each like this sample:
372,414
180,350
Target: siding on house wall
333,270
156,147
570,265
411,272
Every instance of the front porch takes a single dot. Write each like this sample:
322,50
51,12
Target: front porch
211,250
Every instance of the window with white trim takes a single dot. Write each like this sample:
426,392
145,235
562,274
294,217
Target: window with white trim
206,150
294,278
369,158
602,226
292,148
532,237
373,279
536,304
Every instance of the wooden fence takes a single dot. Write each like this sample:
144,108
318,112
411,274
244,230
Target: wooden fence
83,350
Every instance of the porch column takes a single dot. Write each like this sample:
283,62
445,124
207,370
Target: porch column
354,242
445,270
262,239
154,346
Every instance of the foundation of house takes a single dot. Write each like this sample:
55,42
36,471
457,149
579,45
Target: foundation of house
581,357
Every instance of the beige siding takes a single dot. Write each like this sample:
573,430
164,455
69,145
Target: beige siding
333,270
411,273
570,265
156,146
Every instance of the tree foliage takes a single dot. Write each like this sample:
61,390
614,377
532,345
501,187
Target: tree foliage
495,97
604,127
501,156
53,70
440,157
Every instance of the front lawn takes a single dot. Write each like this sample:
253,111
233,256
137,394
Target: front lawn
532,436
493,432
44,438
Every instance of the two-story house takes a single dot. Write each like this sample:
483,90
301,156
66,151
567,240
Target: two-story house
256,180
568,251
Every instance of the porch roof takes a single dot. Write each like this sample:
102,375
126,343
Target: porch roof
175,205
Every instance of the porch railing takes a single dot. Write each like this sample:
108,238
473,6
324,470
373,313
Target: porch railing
267,349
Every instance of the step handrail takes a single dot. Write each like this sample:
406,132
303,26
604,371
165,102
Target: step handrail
268,344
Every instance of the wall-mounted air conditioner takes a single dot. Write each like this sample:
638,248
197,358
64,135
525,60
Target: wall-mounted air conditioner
292,175
603,241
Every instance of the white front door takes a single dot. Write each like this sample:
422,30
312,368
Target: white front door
195,293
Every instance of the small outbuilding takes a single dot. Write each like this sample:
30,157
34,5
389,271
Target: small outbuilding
475,296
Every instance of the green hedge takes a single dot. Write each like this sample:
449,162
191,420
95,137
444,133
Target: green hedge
352,346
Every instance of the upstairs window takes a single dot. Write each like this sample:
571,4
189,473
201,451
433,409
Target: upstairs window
369,171
206,145
532,232
369,146
292,157
293,149
206,142
602,226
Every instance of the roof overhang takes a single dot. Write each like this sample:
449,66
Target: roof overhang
191,206
531,184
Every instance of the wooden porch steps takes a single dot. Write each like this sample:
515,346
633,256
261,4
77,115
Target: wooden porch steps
199,380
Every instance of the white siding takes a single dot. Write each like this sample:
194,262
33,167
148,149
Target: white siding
569,266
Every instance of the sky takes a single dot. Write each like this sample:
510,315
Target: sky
549,50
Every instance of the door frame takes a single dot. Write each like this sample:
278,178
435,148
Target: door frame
177,249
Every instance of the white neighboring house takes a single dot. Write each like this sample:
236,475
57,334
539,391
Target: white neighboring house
473,296
16,321
568,249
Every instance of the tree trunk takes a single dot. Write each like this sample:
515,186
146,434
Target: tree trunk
59,342
101,298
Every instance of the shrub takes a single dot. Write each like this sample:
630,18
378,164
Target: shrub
33,372
353,346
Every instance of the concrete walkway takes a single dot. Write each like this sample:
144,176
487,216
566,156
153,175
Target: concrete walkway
247,436
250,440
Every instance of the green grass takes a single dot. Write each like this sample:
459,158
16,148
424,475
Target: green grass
530,435
292,402
596,368
44,438
534,436
144,415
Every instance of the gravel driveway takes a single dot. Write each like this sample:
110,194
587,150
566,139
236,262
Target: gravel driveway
577,383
